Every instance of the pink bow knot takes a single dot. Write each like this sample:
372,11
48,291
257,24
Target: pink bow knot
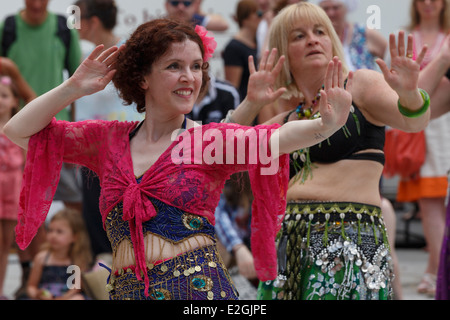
138,208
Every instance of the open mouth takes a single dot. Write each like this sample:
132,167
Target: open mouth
314,52
184,92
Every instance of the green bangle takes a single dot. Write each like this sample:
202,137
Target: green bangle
416,113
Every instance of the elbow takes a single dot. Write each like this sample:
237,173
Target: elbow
8,130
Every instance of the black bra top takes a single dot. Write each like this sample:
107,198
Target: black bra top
357,135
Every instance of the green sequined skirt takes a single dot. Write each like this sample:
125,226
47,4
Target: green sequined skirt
331,251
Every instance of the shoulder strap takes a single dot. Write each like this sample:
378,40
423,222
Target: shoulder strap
9,34
63,32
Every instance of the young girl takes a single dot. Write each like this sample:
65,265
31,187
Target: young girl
67,244
11,166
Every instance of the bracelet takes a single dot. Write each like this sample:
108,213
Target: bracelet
416,113
228,117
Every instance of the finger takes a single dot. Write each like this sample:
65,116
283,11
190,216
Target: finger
422,54
279,66
349,82
105,54
401,43
262,63
384,68
271,60
329,76
112,58
323,104
409,48
277,94
251,65
340,75
96,52
392,46
335,72
109,76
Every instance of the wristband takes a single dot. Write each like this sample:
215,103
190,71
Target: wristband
416,113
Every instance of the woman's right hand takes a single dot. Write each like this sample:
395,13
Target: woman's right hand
261,84
96,71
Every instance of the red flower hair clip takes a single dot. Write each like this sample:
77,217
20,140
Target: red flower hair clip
208,42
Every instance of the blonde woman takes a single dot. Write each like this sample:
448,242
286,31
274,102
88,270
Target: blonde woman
333,243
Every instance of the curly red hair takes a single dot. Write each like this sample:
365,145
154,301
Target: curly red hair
146,45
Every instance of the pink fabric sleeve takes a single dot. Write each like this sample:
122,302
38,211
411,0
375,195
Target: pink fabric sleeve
269,178
269,184
59,142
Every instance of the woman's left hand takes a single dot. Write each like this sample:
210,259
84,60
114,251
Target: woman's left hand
403,76
336,99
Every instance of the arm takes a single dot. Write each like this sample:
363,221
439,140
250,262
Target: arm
432,79
376,43
233,74
378,98
33,290
216,22
92,76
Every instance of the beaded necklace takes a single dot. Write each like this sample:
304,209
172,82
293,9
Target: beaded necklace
307,113
304,170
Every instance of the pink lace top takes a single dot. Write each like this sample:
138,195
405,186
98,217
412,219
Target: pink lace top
194,185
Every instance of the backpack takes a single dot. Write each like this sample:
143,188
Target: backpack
9,35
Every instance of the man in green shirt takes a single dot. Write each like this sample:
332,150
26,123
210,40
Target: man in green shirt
38,50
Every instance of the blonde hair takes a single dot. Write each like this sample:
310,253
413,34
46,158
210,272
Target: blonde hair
281,27
444,19
80,251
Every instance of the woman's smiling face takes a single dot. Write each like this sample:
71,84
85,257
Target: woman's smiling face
175,79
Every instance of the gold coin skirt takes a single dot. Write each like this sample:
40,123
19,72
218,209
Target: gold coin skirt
331,251
198,274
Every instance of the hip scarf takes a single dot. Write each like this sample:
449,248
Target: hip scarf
331,251
198,274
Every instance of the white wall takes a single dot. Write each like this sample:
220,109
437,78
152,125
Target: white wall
393,16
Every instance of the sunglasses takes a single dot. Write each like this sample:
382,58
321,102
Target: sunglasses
176,3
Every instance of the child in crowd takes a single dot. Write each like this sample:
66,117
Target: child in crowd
11,169
66,252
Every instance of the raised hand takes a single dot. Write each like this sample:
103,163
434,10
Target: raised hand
335,100
96,71
260,90
403,76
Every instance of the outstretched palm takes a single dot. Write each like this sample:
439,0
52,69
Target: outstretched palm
403,76
261,84
96,71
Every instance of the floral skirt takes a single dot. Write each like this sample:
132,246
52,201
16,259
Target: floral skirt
198,274
331,251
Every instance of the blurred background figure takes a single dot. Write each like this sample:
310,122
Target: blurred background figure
55,51
190,11
12,160
242,45
67,244
361,44
430,22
